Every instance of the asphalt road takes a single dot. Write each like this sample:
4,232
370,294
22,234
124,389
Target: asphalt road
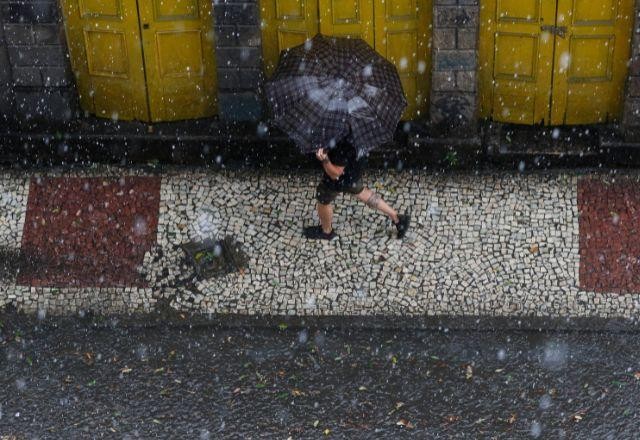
79,378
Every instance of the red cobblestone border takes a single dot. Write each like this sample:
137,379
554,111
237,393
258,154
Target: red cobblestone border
89,232
609,235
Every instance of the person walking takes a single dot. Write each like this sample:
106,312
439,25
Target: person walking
343,174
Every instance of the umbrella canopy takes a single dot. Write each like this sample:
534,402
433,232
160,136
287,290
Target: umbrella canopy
329,85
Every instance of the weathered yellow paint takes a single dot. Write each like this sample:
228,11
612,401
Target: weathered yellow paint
516,60
179,56
591,61
347,18
554,61
397,29
106,57
403,36
286,23
174,77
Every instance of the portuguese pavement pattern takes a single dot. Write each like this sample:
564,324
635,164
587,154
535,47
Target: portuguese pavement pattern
109,240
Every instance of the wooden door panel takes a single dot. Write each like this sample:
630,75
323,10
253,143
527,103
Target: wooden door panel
516,60
106,55
402,35
179,52
590,65
347,18
286,23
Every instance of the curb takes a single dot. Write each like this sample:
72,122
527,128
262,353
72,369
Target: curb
175,319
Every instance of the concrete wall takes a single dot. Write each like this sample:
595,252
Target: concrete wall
40,78
454,97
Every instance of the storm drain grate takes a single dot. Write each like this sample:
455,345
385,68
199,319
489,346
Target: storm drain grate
212,258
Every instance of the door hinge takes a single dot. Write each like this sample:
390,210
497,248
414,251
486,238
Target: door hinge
560,31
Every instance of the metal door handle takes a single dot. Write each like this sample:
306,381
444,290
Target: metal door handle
560,31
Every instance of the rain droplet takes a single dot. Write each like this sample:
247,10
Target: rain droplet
21,384
545,402
308,44
262,129
140,226
521,166
615,219
536,429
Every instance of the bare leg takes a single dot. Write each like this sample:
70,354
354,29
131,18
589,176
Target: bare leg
374,201
325,212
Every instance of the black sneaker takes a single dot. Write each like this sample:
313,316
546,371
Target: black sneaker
403,225
316,233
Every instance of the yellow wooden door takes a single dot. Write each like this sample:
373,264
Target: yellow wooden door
179,57
106,56
591,60
516,60
554,61
347,18
285,24
402,35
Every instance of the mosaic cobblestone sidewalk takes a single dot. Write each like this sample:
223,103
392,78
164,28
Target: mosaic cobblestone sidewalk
505,244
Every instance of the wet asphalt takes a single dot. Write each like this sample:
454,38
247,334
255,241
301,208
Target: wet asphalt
81,377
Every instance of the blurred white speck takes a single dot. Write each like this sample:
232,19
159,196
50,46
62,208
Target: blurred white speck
554,355
615,219
521,166
21,384
308,44
502,354
42,313
303,336
545,401
536,429
140,226
555,134
263,129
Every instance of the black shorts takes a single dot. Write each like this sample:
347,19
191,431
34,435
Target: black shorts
328,189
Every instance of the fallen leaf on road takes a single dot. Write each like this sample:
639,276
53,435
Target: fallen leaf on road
126,370
637,375
88,358
469,372
406,423
296,392
316,423
451,418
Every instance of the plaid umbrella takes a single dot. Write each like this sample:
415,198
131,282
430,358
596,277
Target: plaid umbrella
329,85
